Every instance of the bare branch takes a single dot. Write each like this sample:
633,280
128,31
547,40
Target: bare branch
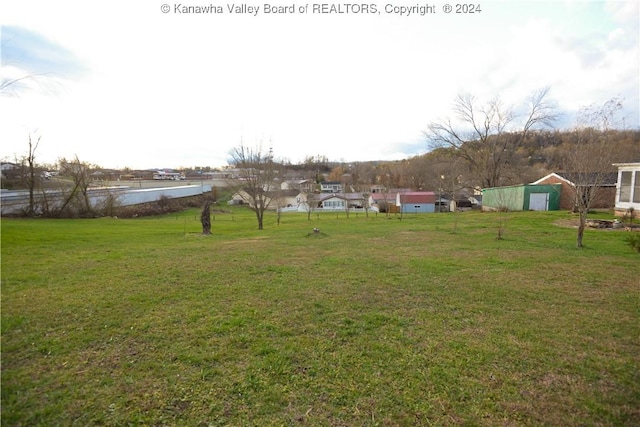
8,85
602,117
541,110
590,160
256,178
487,144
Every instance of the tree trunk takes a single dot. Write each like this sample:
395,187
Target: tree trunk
32,185
31,159
581,227
205,219
87,200
259,216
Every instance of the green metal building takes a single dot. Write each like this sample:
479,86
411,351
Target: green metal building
528,197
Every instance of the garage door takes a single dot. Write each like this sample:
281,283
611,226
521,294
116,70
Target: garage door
539,201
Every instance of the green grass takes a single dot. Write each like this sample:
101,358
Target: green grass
374,321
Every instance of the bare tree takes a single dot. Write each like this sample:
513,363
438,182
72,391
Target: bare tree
365,203
385,180
308,204
256,178
78,197
32,180
505,201
486,136
277,200
589,162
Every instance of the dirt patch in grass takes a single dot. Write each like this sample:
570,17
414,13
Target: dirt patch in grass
567,223
574,222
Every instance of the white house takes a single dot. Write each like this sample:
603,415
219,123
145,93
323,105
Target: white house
330,187
272,199
305,185
628,188
340,201
7,166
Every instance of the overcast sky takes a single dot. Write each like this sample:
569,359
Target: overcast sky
124,84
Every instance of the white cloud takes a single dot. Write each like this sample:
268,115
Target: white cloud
164,90
624,11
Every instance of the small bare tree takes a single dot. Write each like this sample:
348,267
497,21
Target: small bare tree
365,204
257,172
385,180
309,204
32,179
589,161
506,200
277,200
78,196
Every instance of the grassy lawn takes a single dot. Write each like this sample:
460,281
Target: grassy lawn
428,320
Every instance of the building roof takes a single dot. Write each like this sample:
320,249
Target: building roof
271,194
627,165
381,197
607,179
346,196
284,193
417,197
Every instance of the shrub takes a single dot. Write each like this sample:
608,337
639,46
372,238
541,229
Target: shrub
628,216
634,241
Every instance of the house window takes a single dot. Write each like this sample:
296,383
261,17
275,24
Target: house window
625,186
636,188
334,204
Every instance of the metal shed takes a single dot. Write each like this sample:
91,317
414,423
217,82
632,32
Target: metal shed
526,197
